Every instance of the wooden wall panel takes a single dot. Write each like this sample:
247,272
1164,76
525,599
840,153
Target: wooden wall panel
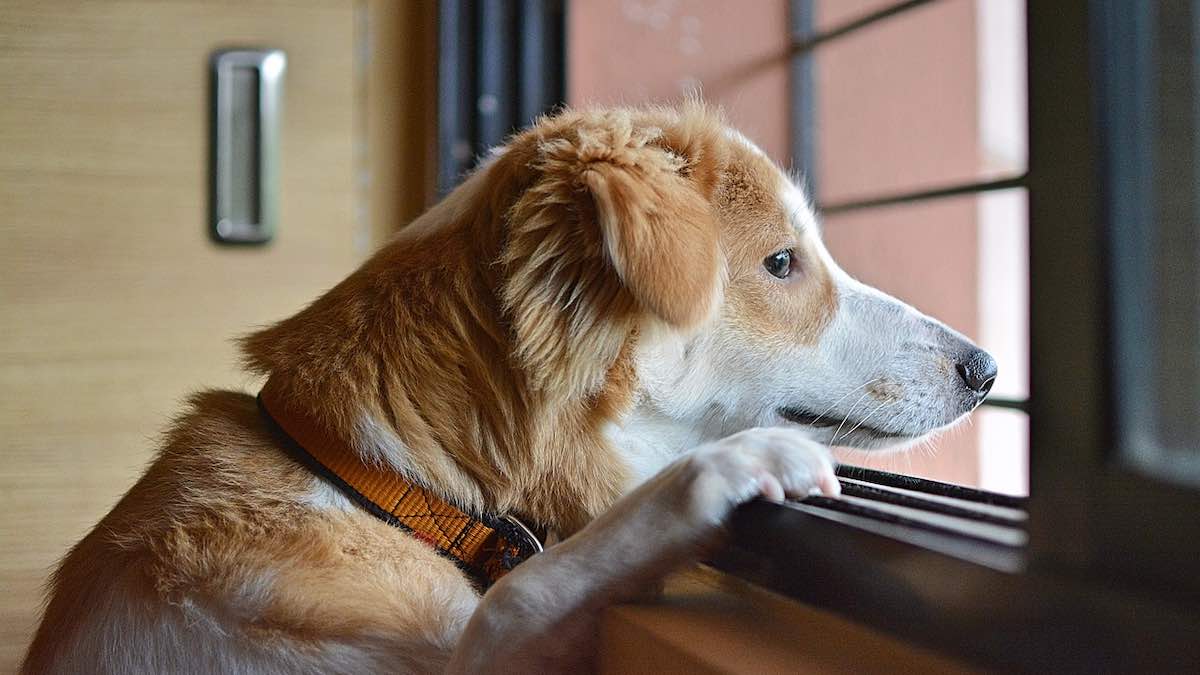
400,118
114,304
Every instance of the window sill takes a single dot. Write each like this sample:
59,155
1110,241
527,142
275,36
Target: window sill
991,612
710,622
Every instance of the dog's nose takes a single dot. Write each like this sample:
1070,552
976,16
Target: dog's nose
978,371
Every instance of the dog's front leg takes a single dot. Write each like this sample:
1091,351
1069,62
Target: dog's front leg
543,616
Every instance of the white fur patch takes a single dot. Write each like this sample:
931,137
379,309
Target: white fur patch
798,207
376,443
325,497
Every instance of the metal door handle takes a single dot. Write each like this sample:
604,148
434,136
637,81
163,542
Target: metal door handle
246,91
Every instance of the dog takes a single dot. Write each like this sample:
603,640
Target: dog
621,326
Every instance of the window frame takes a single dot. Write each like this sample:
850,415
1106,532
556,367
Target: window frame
1126,527
1095,589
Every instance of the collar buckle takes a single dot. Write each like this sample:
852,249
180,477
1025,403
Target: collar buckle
530,539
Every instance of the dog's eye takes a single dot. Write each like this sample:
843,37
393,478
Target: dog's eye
779,264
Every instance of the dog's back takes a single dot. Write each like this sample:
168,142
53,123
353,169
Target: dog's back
224,519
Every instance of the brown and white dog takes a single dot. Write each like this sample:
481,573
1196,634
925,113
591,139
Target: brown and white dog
620,327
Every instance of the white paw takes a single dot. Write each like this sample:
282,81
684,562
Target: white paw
774,463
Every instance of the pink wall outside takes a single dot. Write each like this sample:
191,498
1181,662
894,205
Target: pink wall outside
896,110
636,51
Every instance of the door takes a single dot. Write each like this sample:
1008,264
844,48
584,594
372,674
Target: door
114,303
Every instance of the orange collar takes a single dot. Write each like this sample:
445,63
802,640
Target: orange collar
486,548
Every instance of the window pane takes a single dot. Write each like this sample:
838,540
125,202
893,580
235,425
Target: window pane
1003,450
930,97
962,260
1154,256
924,253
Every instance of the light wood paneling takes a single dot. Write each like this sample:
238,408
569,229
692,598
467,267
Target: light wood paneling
113,302
400,120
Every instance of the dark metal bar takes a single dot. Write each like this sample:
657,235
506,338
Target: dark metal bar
531,62
456,87
540,71
1008,403
921,195
928,486
495,106
844,506
803,95
1069,416
810,43
554,56
883,496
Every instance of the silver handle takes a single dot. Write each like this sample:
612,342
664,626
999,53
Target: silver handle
247,88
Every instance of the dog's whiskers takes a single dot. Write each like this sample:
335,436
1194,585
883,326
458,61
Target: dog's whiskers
847,417
898,418
850,393
861,387
864,420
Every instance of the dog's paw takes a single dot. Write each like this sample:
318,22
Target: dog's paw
774,463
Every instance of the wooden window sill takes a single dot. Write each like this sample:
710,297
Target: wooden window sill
706,621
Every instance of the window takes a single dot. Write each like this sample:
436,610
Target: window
499,67
1154,243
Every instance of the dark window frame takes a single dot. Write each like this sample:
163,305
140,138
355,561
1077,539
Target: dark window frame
1126,527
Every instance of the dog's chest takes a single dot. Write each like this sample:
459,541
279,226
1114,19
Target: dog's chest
647,442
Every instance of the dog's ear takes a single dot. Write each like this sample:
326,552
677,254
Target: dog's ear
650,180
612,225
659,234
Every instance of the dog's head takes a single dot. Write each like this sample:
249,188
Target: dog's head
680,229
